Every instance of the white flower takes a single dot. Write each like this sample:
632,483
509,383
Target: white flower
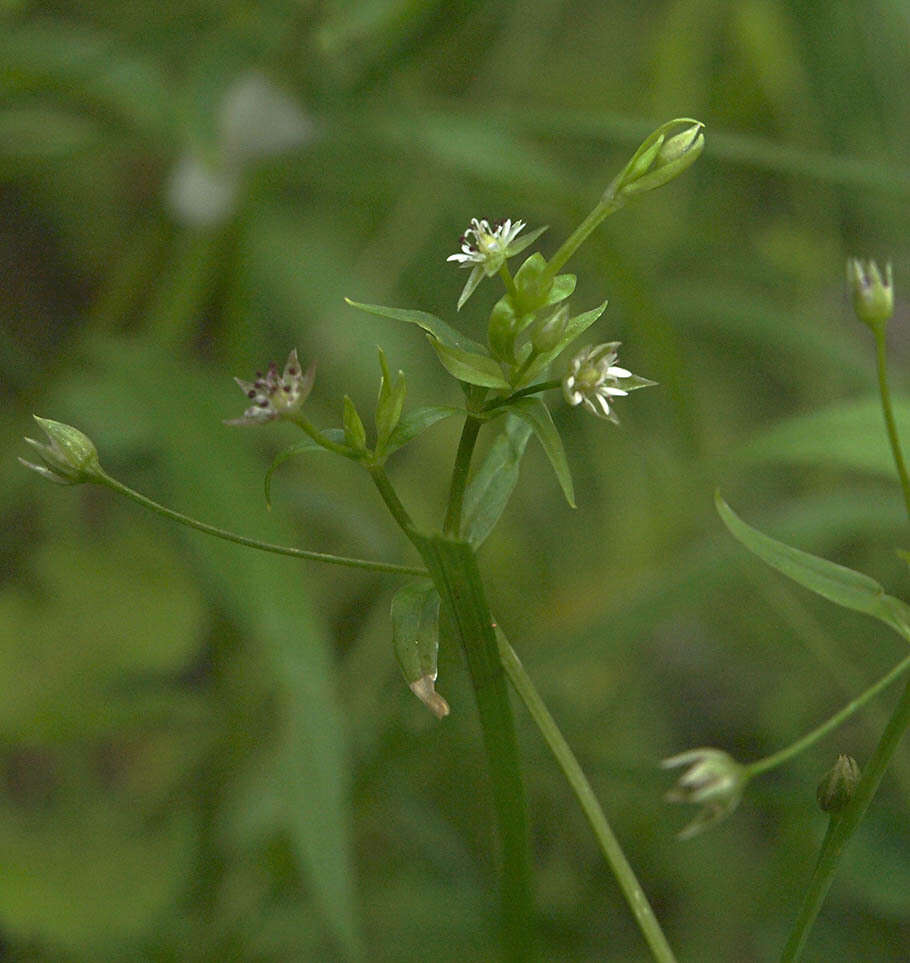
481,244
713,780
274,395
485,249
594,380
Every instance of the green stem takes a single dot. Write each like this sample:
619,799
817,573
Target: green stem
604,208
390,497
303,422
770,762
609,844
122,489
890,424
839,832
530,390
507,279
452,524
453,566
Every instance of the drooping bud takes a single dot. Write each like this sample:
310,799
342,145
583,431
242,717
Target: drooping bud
873,297
838,785
71,457
713,780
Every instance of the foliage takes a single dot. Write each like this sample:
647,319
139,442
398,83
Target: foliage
232,768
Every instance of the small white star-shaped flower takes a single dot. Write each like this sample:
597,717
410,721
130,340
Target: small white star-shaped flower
485,249
594,380
276,395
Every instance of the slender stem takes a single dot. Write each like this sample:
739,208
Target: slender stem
122,489
880,357
609,844
530,390
770,762
390,497
303,422
507,279
469,432
604,208
841,831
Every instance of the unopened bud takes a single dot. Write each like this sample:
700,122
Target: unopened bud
660,158
70,459
548,332
838,785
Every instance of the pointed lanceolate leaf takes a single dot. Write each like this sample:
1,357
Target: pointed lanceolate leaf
333,434
468,366
355,434
414,423
494,481
415,635
838,584
429,322
537,415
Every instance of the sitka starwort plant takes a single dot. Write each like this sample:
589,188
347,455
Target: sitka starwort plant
712,779
508,384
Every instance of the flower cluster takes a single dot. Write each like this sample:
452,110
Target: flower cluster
276,395
595,380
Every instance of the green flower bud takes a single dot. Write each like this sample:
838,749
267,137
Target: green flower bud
70,459
548,332
838,785
659,159
873,298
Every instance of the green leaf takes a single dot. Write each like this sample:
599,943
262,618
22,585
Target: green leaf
414,423
415,636
355,434
494,481
537,415
389,404
563,286
470,367
838,584
333,434
575,327
429,322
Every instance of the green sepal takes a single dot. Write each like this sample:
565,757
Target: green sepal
429,322
503,329
389,404
308,444
494,481
414,423
562,288
838,584
537,415
471,367
520,244
355,434
415,637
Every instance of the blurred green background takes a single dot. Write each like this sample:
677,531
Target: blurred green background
209,754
